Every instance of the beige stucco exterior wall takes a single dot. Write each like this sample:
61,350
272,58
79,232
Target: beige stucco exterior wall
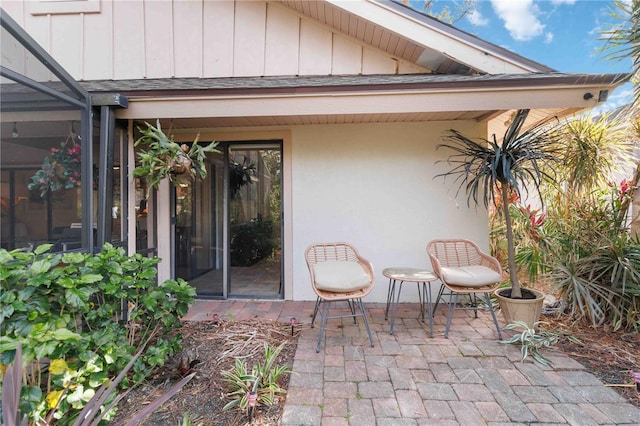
192,38
373,186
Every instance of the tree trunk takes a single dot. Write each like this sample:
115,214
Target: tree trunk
516,293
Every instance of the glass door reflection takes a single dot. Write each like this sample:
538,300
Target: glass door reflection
255,240
199,230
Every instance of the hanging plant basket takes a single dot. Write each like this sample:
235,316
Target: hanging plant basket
159,157
59,170
181,164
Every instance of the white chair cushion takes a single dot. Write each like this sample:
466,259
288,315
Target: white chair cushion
340,276
470,276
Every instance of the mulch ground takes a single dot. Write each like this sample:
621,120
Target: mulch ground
608,354
210,347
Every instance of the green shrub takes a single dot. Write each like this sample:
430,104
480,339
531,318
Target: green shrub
80,318
580,243
603,285
582,248
251,242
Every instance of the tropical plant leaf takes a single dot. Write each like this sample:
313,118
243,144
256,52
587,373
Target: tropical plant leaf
519,163
158,155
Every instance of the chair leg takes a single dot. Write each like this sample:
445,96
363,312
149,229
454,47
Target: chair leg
474,302
324,316
315,311
440,292
452,307
352,306
364,318
493,315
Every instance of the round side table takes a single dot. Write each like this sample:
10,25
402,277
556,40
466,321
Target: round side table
398,276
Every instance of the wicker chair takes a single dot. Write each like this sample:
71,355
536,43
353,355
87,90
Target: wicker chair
338,273
464,269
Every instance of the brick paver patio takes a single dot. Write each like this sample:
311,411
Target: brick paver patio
410,379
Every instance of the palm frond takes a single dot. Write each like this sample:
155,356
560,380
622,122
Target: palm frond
622,39
478,166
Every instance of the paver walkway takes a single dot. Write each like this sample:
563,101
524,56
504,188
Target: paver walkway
410,379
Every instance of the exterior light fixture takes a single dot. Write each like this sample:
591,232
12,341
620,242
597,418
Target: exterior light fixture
603,96
14,131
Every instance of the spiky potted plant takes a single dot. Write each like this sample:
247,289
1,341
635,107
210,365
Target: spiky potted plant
160,157
493,172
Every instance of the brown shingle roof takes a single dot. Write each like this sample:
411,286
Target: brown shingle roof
295,84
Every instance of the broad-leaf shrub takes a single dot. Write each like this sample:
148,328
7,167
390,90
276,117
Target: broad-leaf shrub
80,318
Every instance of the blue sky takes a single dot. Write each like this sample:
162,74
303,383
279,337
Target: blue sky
561,34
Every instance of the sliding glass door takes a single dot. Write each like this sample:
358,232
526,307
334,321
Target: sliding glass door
255,235
228,233
198,238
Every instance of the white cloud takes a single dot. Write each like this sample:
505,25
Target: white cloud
520,18
548,38
476,19
563,1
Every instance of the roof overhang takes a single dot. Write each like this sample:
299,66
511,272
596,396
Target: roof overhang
267,101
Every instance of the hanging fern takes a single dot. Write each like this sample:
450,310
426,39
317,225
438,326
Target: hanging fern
161,158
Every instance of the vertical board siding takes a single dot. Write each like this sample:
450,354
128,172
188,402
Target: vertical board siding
66,47
202,38
97,57
23,63
13,56
408,68
158,38
281,42
374,62
249,39
128,40
217,40
16,9
40,31
347,56
187,50
315,49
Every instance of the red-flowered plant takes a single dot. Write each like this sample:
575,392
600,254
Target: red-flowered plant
60,170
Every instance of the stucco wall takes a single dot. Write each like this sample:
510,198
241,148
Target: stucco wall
373,186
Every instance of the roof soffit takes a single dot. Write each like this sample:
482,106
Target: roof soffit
293,100
556,94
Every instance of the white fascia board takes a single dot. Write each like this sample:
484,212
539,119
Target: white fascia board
390,102
455,48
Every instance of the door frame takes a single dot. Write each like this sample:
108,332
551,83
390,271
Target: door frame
164,243
227,147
